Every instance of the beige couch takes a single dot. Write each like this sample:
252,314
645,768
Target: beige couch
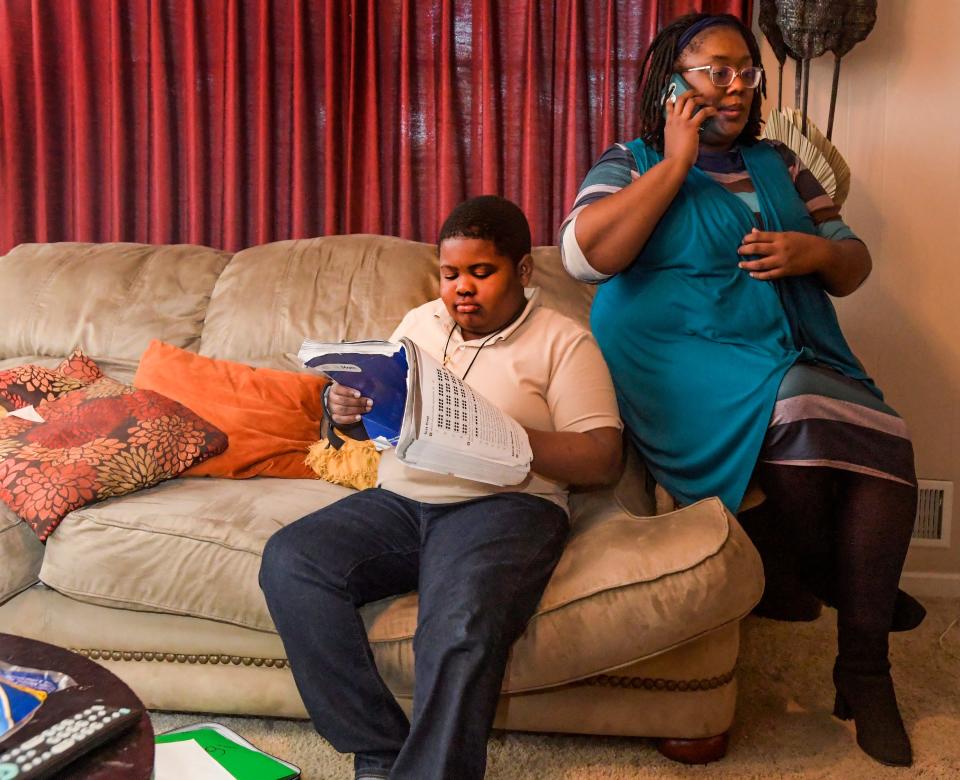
637,633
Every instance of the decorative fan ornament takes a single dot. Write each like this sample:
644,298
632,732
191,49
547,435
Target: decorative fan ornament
841,171
780,127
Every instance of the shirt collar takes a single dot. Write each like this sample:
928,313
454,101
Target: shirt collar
446,322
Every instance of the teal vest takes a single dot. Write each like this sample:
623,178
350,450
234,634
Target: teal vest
696,347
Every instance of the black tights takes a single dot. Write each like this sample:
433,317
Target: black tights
846,535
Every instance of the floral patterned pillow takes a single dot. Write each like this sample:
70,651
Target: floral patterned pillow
30,384
105,439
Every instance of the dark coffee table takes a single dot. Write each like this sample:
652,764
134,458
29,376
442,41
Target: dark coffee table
129,756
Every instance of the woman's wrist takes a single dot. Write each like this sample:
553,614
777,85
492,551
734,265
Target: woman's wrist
676,167
826,254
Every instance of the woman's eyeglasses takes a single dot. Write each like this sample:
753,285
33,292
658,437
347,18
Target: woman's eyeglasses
723,75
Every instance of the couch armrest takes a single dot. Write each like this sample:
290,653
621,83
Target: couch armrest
627,588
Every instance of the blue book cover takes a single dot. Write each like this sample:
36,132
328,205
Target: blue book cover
377,369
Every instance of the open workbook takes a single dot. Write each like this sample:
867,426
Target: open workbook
435,420
211,751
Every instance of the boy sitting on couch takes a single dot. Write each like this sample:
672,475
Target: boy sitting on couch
478,555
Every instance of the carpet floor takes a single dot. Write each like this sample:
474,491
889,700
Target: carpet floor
783,727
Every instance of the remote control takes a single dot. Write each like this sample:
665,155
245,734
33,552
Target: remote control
65,741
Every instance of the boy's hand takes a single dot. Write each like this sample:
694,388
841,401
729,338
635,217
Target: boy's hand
346,404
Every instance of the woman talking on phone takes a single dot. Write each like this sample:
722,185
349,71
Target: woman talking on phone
716,252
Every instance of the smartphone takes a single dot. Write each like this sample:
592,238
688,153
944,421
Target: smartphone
676,87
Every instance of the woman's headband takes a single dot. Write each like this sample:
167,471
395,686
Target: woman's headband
698,27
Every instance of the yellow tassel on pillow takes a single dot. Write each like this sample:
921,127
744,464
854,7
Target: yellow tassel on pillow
354,465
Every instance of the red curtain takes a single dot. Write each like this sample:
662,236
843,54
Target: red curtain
235,122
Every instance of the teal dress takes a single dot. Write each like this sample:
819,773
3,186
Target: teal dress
697,348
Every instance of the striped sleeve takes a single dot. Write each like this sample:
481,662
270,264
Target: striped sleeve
825,213
611,173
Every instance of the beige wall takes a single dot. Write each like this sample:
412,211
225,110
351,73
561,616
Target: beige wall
898,126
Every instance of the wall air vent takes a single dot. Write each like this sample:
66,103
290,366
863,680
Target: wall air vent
934,514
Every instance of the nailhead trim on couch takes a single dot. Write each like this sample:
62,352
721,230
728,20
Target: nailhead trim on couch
180,658
603,680
660,684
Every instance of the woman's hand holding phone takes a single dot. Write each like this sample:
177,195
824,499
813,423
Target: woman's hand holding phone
685,117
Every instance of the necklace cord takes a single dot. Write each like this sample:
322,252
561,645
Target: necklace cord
506,325
482,345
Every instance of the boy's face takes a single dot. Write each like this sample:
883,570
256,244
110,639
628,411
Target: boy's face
482,290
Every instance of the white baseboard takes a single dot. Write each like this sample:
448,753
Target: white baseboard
933,584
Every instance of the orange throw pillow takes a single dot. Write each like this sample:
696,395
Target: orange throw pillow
270,417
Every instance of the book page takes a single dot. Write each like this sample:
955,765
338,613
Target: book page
177,760
238,757
454,415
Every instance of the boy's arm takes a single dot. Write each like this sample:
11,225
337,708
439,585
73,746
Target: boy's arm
586,446
589,458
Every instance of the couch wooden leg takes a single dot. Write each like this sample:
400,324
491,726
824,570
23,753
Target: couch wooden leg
694,751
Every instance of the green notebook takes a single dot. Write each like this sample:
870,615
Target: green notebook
238,757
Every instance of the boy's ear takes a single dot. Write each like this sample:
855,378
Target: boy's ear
525,269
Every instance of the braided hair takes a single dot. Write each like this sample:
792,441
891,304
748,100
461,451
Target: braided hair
659,64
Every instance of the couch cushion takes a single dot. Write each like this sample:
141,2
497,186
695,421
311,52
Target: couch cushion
110,299
626,588
337,288
190,546
644,585
20,554
270,297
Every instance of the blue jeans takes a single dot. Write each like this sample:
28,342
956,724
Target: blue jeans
479,567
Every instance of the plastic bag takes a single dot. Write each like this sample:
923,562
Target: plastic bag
22,691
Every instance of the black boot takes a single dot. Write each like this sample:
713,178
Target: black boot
908,613
865,693
817,575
